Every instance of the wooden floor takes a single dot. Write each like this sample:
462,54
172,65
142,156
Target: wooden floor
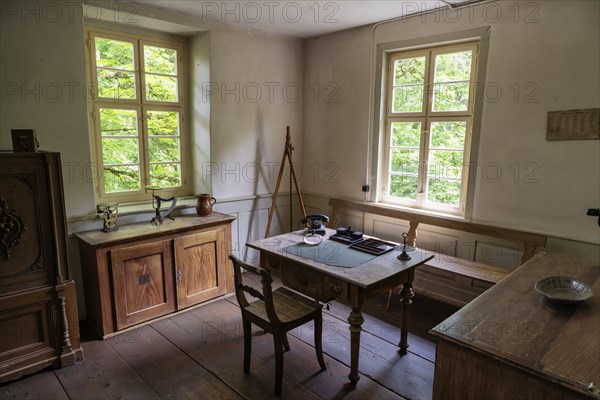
198,355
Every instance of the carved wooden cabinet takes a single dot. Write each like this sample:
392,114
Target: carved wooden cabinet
142,271
39,325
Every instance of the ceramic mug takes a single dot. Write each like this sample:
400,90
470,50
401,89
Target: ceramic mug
204,205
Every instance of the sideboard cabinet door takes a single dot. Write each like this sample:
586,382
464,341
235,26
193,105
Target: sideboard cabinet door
200,262
143,282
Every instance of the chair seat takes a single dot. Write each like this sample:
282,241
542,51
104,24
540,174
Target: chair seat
289,306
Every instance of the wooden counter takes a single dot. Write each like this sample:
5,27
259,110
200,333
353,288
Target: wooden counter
512,343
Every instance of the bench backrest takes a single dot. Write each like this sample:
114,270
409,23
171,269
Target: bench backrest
529,240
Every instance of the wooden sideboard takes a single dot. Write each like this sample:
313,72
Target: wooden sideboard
142,271
39,326
512,343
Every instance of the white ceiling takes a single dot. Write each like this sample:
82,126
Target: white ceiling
301,18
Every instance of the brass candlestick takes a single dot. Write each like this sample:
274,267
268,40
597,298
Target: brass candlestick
404,255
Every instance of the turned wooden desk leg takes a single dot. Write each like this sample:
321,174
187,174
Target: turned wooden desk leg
407,295
355,320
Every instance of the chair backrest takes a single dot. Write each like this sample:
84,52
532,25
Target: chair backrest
267,291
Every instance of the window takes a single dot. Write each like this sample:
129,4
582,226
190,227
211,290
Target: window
428,124
137,120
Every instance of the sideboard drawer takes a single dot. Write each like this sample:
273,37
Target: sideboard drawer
303,280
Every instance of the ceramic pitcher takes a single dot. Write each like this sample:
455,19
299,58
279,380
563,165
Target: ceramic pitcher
204,205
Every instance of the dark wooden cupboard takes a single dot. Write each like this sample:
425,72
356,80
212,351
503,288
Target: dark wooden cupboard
142,271
39,324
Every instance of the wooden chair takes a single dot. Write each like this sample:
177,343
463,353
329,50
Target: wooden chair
277,312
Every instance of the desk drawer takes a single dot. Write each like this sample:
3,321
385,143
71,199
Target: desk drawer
334,288
303,280
270,262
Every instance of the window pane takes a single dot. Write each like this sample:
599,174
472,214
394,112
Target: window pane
165,175
163,149
444,191
161,88
114,54
406,134
160,60
409,70
451,96
116,122
121,178
448,135
163,123
116,84
408,98
445,164
405,161
452,75
403,186
453,67
120,151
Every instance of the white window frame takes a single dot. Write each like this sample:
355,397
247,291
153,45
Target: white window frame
380,142
141,106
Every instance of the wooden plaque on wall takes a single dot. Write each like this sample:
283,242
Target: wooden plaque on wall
574,124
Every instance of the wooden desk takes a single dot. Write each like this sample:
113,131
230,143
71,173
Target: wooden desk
325,283
512,343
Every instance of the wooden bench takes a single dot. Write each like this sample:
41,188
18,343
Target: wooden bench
484,274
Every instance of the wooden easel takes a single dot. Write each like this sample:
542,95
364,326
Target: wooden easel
287,154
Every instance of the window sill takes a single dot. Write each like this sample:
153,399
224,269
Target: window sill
458,216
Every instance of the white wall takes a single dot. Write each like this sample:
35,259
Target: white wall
40,52
255,96
199,109
557,51
43,88
243,137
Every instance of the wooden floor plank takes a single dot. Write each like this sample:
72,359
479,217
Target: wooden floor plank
212,336
43,385
166,369
199,354
103,374
300,364
426,312
410,375
387,326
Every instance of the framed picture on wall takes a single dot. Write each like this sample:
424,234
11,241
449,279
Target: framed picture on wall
24,140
